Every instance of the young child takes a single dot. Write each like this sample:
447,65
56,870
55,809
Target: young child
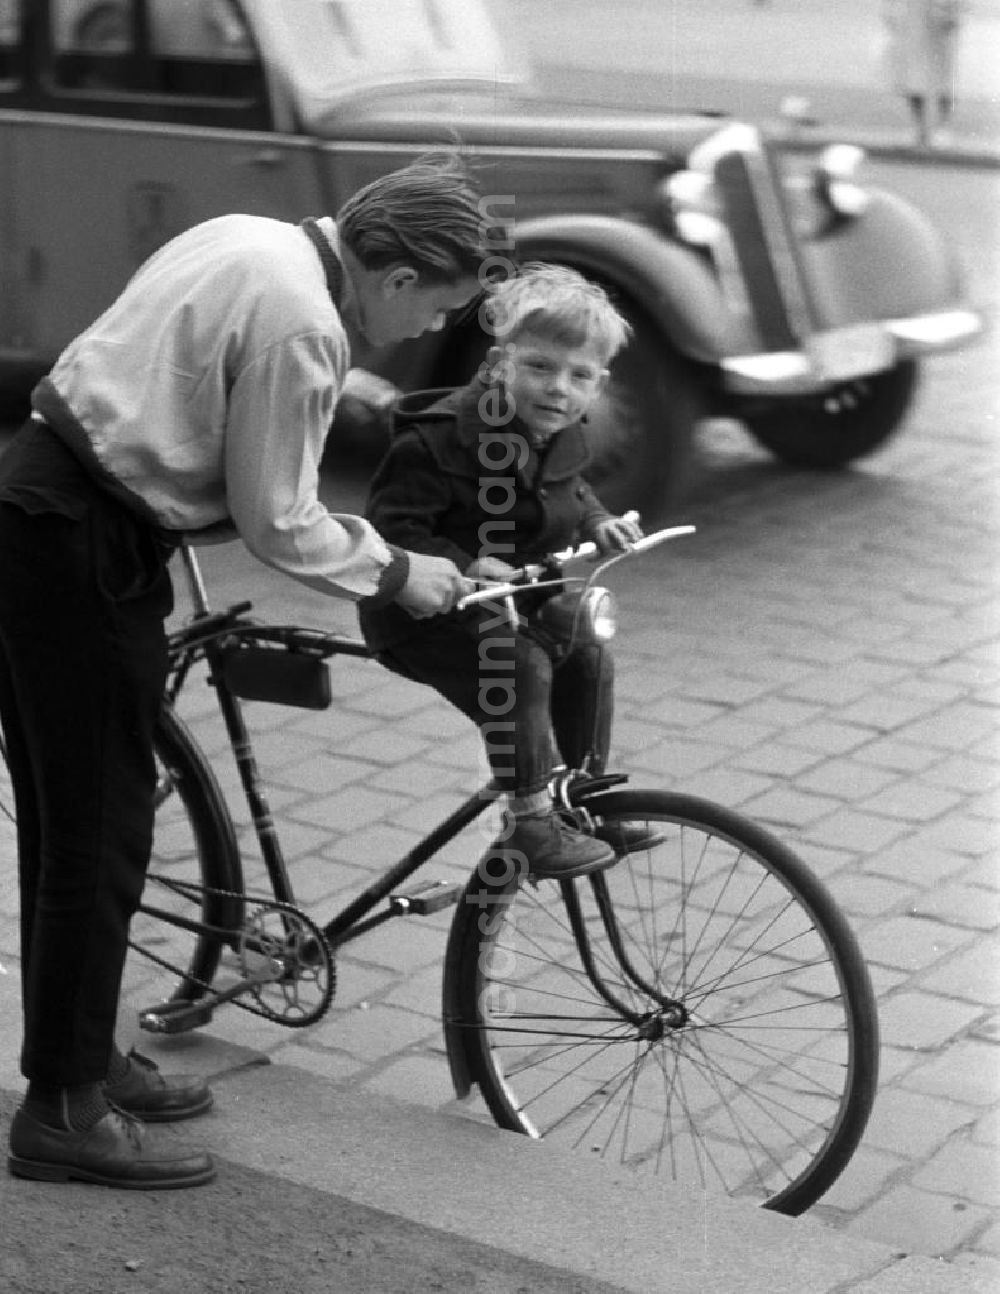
490,476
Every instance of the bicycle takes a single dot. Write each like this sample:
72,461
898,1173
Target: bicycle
701,1009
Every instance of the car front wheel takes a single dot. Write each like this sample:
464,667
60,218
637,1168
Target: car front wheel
836,426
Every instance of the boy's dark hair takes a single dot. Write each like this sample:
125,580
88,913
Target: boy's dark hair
427,215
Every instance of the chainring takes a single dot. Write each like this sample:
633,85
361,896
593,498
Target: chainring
288,963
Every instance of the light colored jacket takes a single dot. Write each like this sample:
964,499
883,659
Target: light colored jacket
207,390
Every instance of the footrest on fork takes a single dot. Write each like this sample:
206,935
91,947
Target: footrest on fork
425,897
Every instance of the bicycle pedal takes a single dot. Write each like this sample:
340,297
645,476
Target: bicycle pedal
425,898
175,1017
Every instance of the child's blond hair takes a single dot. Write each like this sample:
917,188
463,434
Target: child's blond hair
556,302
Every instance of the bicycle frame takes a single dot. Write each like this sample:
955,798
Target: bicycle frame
210,635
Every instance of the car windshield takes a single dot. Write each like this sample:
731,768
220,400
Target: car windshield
343,49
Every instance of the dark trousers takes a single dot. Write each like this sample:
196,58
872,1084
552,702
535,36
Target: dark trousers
519,688
84,591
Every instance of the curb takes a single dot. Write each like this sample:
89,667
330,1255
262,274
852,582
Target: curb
483,1191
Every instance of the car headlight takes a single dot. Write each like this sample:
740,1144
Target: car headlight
835,179
689,204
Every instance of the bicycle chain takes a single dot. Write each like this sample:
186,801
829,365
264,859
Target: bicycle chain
265,904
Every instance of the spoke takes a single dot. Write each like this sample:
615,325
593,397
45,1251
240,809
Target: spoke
543,956
709,990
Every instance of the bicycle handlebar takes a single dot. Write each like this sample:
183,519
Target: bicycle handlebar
531,576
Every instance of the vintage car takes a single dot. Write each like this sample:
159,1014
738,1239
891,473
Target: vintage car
761,285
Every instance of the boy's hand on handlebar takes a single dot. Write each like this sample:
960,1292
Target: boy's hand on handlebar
491,568
616,534
433,586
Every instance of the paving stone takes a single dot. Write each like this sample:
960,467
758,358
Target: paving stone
846,779
367,1035
350,808
321,773
678,759
900,756
911,801
963,1169
887,711
986,1131
961,905
954,728
326,1063
867,896
922,1021
795,808
969,1072
920,1221
912,1125
865,1178
851,829
675,712
917,858
418,1080
729,786
969,975
777,759
911,943
829,736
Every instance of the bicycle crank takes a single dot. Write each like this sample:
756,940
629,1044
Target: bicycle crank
277,964
287,965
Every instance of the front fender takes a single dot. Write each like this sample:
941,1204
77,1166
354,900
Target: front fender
454,1007
670,283
889,262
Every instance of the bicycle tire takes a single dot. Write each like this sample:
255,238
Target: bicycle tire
760,1085
194,845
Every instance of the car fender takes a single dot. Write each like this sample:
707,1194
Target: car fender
670,283
848,266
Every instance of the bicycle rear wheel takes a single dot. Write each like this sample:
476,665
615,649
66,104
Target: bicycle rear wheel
192,905
194,875
701,1010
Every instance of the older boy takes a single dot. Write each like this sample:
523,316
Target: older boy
202,397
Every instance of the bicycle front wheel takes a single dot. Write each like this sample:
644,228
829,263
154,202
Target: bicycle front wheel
701,1010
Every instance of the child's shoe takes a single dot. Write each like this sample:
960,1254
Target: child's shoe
555,850
629,837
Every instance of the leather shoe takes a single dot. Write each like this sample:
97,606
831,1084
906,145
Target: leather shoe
117,1151
157,1098
627,837
555,850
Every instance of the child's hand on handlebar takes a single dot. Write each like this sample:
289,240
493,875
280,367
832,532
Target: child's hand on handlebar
616,535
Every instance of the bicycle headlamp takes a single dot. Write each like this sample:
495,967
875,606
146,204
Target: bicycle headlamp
598,605
588,616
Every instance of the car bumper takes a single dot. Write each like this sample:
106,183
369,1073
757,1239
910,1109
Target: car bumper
846,354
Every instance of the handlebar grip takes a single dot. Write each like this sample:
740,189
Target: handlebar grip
491,594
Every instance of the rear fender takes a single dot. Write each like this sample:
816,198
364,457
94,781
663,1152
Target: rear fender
671,284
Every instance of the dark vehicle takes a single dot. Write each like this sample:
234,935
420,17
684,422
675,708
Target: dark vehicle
772,289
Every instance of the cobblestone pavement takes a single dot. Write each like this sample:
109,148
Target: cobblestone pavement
822,656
